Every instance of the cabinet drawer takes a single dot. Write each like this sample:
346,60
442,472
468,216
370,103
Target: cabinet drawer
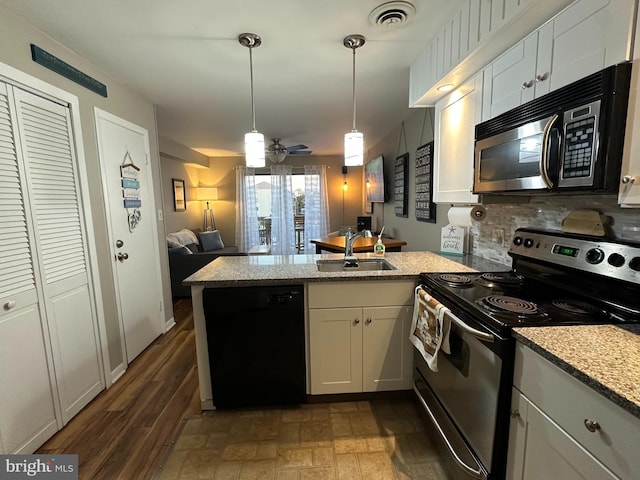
569,403
360,294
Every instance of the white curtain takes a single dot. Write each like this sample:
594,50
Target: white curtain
247,235
282,227
316,205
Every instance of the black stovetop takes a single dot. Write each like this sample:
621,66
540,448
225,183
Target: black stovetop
503,300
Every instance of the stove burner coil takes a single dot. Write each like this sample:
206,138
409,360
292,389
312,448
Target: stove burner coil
574,306
455,280
500,279
504,303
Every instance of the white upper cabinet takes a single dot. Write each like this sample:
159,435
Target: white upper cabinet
583,39
479,32
629,193
456,117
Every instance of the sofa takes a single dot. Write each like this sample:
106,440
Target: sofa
189,251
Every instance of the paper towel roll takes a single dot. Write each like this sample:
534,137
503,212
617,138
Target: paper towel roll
462,216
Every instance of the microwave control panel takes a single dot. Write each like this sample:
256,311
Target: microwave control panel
579,146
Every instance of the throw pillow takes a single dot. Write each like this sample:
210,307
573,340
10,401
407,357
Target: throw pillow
180,251
183,237
211,241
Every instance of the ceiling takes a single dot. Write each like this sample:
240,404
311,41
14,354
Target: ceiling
185,57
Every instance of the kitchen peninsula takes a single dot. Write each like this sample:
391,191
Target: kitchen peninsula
278,270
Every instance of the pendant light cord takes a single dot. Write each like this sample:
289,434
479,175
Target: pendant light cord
253,106
354,89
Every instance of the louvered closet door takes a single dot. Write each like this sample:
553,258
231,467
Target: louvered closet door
27,412
52,186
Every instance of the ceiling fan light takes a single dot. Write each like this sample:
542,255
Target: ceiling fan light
353,149
254,149
277,156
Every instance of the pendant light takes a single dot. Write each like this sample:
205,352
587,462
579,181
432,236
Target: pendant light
253,141
353,140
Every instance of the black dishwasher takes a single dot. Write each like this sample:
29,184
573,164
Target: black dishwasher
256,345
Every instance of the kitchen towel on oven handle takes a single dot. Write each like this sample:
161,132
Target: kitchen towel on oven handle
430,327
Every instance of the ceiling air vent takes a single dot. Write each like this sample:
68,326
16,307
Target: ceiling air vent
392,14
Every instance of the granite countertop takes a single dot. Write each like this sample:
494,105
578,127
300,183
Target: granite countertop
286,269
604,357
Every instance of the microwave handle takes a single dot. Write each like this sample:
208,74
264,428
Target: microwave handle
546,147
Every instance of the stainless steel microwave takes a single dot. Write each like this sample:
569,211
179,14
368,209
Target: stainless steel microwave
568,141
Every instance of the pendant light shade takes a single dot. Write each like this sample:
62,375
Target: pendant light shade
354,140
253,141
254,149
353,149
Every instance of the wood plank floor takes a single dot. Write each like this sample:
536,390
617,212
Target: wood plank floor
126,430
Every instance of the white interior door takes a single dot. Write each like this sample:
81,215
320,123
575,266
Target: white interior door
124,157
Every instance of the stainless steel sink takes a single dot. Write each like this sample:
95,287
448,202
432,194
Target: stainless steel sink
364,265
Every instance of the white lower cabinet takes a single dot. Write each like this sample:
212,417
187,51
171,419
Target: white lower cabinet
560,428
356,342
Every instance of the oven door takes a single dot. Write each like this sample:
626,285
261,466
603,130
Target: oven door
464,396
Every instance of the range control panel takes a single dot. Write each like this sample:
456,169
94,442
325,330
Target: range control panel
611,258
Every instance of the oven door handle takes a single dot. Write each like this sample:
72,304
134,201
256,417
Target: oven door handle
474,472
485,337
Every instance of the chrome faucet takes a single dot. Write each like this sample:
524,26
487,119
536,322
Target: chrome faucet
349,238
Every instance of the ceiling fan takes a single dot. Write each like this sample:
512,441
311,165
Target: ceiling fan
277,152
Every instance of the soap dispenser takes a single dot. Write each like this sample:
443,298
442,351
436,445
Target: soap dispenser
378,248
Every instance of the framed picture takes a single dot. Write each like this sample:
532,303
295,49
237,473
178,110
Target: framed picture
179,195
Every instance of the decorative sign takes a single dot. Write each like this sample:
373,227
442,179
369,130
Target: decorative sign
129,174
401,192
61,67
425,208
453,240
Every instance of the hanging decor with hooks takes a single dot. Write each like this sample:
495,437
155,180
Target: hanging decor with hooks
129,178
425,208
400,175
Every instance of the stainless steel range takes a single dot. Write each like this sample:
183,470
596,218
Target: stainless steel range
556,279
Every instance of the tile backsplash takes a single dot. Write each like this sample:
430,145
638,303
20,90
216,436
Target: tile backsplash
545,213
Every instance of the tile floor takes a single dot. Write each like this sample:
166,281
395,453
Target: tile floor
364,440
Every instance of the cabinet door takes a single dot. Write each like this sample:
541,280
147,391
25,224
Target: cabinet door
540,449
27,416
27,408
386,351
48,154
456,117
589,36
510,80
335,350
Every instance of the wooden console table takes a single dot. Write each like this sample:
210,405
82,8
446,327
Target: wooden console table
361,245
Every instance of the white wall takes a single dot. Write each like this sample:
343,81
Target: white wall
15,51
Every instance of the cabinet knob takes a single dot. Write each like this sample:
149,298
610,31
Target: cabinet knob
356,321
368,321
591,425
515,413
528,84
541,77
10,304
628,179
122,256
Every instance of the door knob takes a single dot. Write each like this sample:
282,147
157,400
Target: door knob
368,321
122,256
356,321
528,84
591,425
542,77
628,179
119,243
